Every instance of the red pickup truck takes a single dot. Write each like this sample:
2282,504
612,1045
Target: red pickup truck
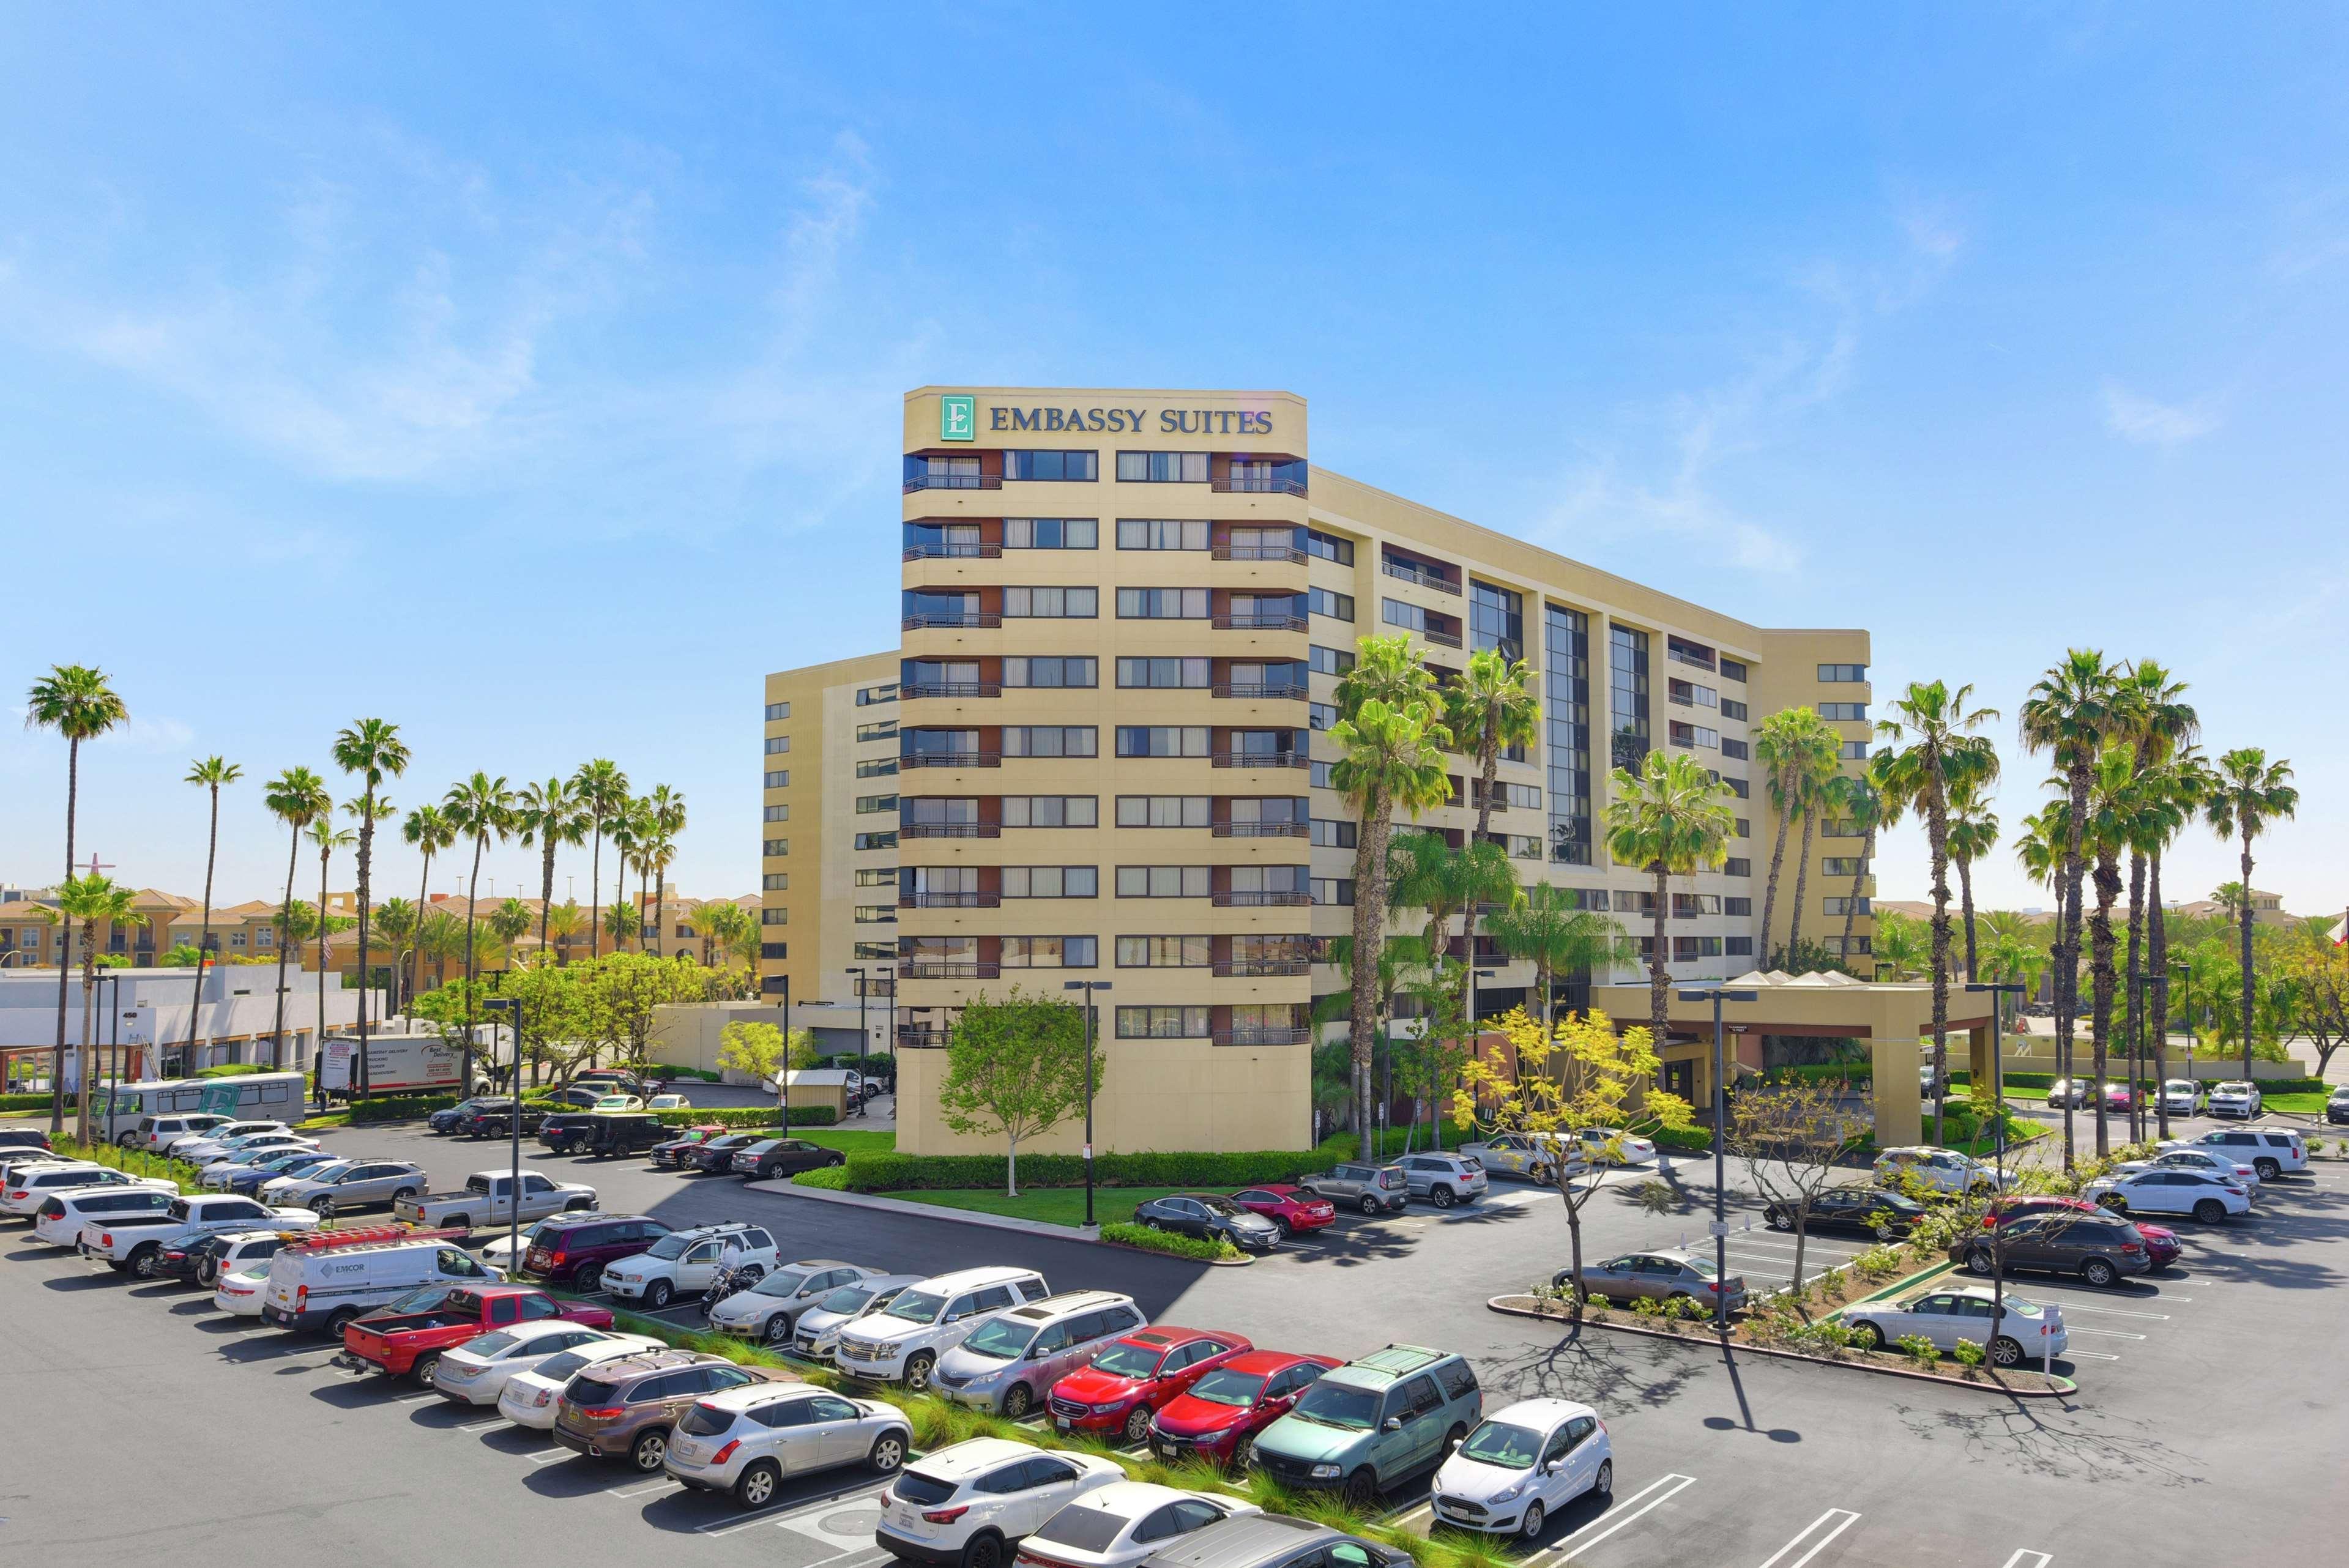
411,1342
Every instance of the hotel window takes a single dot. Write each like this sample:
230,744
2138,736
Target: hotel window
882,951
1688,947
1853,751
776,881
1395,613
1732,708
1161,604
777,711
1732,670
1052,881
1332,833
776,847
1328,547
1052,604
1161,882
1682,651
778,813
876,767
868,804
1164,810
1689,905
1021,465
1161,1023
778,744
938,811
1737,748
1177,672
1737,906
1323,602
942,473
1324,661
875,876
1737,946
887,841
1844,712
1839,827
1284,810
1055,671
1337,891
1845,906
875,915
1839,673
1165,952
1737,785
1161,740
1051,810
867,696
1051,740
1320,715
766,917
1318,775
780,779
1844,866
1522,846
1565,720
1161,534
1689,694
236,939
1695,735
1051,532
1743,827
1162,468
1496,620
879,729
1736,867
1859,946
774,950
1627,692
1050,952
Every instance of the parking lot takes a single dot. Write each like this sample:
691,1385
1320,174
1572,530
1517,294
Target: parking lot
2206,1403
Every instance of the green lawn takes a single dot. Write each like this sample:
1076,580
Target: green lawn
849,1140
1051,1205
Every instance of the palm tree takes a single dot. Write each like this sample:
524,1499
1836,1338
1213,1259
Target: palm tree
721,923
1674,819
477,808
2186,781
1795,744
602,790
1390,737
620,923
666,810
77,701
96,902
630,824
1902,947
394,922
2124,810
1553,930
2249,794
2160,722
1424,873
1401,958
328,838
2069,712
1487,710
1946,762
508,922
562,927
430,830
1863,803
439,937
367,810
372,749
209,773
296,798
552,814
1973,833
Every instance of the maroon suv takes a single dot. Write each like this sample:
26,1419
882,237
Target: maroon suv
571,1250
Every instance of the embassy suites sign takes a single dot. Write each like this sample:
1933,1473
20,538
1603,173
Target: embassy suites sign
959,420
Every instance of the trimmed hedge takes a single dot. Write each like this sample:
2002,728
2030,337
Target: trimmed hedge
750,1116
831,1178
230,1069
1151,1241
1687,1139
29,1102
397,1108
935,1172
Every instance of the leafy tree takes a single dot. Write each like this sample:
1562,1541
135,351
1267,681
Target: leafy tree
561,927
1016,1068
1553,930
1902,947
429,831
2249,795
477,808
96,902
1581,1073
620,992
372,749
620,923
756,1050
2322,967
602,790
77,701
1798,751
550,815
208,774
1791,1138
1673,818
182,955
1489,708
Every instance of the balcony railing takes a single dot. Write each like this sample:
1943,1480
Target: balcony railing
1259,623
1263,830
949,900
952,551
1678,658
953,481
978,620
1258,691
1260,759
918,969
951,831
921,1036
1423,579
949,760
1287,552
1261,968
914,689
1248,485
1263,1036
1441,639
1232,898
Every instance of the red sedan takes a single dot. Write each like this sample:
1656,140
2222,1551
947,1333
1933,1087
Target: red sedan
1219,1417
1293,1209
1129,1379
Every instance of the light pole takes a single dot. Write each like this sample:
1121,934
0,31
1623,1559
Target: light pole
1998,1062
864,1038
1475,1043
2160,986
783,1073
512,1005
1088,988
1717,995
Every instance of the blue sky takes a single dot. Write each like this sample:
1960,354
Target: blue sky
529,376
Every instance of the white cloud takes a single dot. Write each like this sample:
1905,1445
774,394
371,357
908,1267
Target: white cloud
2142,420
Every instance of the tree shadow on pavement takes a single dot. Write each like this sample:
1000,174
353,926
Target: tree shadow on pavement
2057,1441
1608,1371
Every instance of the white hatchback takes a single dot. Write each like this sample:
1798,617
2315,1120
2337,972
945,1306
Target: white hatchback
477,1372
1124,1523
530,1399
746,1440
988,1489
1521,1464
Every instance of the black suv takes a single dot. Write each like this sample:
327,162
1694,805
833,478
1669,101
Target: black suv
621,1132
566,1131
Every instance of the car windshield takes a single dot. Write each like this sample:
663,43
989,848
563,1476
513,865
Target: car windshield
1700,1267
1219,1205
559,1368
489,1345
916,1307
2022,1308
848,1300
1000,1340
1082,1528
782,1282
1337,1404
1499,1443
670,1246
331,1168
1124,1360
1237,1389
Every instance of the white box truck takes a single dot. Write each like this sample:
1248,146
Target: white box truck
397,1064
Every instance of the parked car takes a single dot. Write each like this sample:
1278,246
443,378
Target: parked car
670,1154
1208,1217
1520,1465
2270,1151
1658,1276
135,1250
239,1292
1010,1363
1612,1146
771,1158
1272,1540
2216,1162
1535,1156
64,1210
1216,1418
1125,1383
30,1182
1124,1523
530,1397
714,1156
1362,1427
1938,1170
475,1371
449,1117
628,1407
2237,1099
1372,1189
2161,1245
223,1141
817,1329
2118,1096
1870,1210
745,1440
495,1119
2182,1097
2099,1250
768,1309
360,1184
902,1342
611,1081
2207,1198
179,1144
489,1198
971,1503
327,1282
669,1103
15,1143
2026,1331
606,1105
202,1261
685,1262
1444,1178
2337,1105
251,1146
249,1180
408,1344
574,1249
630,1133
156,1133
578,1096
565,1131
2068,1092
1293,1209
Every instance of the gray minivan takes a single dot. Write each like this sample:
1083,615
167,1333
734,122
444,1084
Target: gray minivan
1010,1362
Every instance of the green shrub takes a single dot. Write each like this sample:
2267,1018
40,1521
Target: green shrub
26,1102
230,1069
756,1115
397,1108
1878,1263
1968,1354
1920,1350
931,1172
1143,1236
831,1178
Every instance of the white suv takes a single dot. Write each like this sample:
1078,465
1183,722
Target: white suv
685,1262
903,1342
2270,1151
989,1489
2235,1098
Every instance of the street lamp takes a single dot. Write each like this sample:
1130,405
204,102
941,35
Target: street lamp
784,1072
512,1005
2160,986
1998,1062
864,1038
1717,995
1088,988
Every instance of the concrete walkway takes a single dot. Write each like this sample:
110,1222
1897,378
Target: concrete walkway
930,1211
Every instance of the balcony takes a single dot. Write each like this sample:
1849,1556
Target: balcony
1420,578
1680,657
975,620
912,689
953,481
1230,899
1441,639
949,900
954,553
1287,552
1263,1036
1257,691
1253,485
1259,623
951,831
922,1036
1258,758
949,760
1261,968
916,969
1262,831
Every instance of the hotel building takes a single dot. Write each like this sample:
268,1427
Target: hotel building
1099,753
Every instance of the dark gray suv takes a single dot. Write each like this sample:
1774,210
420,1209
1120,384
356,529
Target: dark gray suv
2098,1249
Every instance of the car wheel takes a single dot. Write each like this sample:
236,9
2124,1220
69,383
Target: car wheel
1137,1424
1530,1527
657,1293
206,1274
1370,1205
426,1366
1979,1262
756,1489
1243,1454
1603,1484
2210,1211
2268,1169
143,1261
1018,1400
2099,1273
983,1552
1885,1232
323,1206
1361,1492
1775,1218
403,1192
917,1371
336,1324
888,1452
2006,1352
651,1448
1444,1197
1870,1337
778,1329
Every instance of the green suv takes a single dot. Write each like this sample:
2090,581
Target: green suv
1370,1423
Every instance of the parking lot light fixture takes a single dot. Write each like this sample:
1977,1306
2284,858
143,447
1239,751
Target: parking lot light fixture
1088,988
512,1005
1717,995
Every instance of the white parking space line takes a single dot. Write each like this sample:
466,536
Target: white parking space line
419,1399
646,1489
483,1426
1663,1488
2025,1558
2109,1333
1843,1518
548,1456
2072,1306
2086,1355
781,1513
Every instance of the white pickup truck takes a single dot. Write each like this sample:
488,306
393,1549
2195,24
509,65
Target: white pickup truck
137,1243
487,1199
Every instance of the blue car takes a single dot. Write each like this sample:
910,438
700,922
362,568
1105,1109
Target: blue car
248,1180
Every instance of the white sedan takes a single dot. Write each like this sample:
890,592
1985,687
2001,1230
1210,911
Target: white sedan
1613,1146
2206,1198
239,1290
476,1372
1521,1464
745,1440
529,1397
1125,1521
2026,1331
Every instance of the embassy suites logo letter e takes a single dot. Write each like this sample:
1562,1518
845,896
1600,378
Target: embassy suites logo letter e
957,417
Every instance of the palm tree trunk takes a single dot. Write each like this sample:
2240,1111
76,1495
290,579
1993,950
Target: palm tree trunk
1802,880
1369,931
2100,979
594,892
284,941
367,853
1851,907
2135,995
88,1020
2246,950
545,895
660,897
1777,857
2157,944
416,937
204,935
318,1034
65,937
1488,759
1937,844
472,908
1659,982
1966,906
2067,928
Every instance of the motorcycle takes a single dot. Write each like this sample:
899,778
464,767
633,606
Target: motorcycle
738,1278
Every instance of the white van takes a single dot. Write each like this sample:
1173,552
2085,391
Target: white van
315,1287
64,1210
28,1185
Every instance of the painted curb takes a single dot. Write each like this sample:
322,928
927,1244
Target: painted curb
2069,1387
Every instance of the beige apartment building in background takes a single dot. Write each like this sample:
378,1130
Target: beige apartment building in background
1100,751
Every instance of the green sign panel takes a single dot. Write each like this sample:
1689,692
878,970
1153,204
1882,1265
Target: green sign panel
958,418
221,1099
